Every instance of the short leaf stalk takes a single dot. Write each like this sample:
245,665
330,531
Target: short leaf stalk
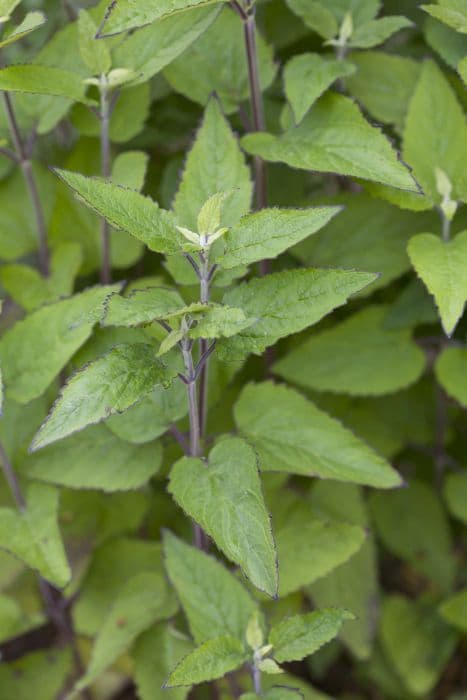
22,156
104,116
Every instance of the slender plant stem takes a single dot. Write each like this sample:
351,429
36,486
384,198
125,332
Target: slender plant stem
256,676
12,480
446,227
204,281
24,161
105,110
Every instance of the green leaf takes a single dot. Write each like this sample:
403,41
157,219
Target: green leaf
225,498
455,495
31,22
37,348
204,175
155,654
108,385
316,16
95,54
127,210
268,233
142,306
335,138
196,75
434,110
384,84
122,465
380,233
462,69
290,434
220,321
353,584
211,660
376,360
412,525
451,12
308,76
309,547
143,600
126,14
43,80
450,370
416,641
31,290
441,266
151,49
113,566
454,610
129,169
33,535
301,635
152,416
376,31
7,7
287,302
214,600
41,675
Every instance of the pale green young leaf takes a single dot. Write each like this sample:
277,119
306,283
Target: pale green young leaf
216,64
155,654
112,567
335,138
95,54
451,12
144,599
34,351
454,610
39,675
129,14
435,110
441,266
43,80
413,525
129,169
151,49
316,16
152,416
353,584
376,31
384,83
417,642
290,434
204,175
451,373
33,535
32,21
308,76
287,302
127,210
376,360
268,233
301,635
31,290
210,661
108,385
122,465
142,306
7,7
455,495
310,547
214,600
225,498
362,11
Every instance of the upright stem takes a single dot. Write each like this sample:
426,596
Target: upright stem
256,675
204,282
24,161
106,266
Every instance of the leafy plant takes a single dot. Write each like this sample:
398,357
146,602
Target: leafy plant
233,244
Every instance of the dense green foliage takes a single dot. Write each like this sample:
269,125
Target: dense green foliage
233,245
